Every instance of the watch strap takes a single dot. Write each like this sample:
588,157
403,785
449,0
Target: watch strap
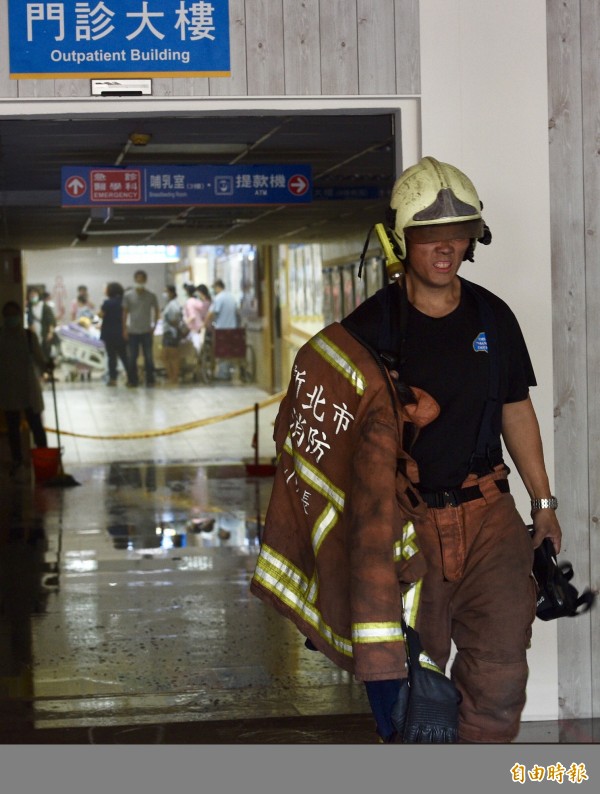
541,504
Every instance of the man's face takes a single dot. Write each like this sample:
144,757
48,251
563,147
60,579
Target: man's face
435,264
140,282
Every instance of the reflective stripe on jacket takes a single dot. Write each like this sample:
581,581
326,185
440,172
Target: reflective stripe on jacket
338,546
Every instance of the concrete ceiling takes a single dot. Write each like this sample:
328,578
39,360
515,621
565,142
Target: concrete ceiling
344,151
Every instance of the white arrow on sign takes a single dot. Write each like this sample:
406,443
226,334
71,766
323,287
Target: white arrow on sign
75,186
298,184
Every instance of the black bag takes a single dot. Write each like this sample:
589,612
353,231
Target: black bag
426,711
556,596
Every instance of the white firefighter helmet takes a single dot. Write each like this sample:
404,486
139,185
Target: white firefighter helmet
435,201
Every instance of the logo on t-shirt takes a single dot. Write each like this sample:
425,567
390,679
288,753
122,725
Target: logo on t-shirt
480,344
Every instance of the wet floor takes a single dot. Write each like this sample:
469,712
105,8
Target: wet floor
125,601
125,614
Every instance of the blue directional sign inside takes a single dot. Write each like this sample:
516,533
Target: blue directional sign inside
113,38
189,185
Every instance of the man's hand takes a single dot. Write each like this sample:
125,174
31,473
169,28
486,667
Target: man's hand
426,711
545,525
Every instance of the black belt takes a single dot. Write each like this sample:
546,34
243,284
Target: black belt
452,497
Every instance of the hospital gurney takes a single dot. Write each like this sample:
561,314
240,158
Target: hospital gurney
80,349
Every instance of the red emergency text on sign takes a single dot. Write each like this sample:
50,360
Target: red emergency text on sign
115,185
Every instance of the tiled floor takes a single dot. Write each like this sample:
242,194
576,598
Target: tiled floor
125,615
92,409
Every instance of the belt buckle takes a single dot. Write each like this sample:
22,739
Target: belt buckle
450,499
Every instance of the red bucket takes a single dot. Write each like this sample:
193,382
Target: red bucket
46,462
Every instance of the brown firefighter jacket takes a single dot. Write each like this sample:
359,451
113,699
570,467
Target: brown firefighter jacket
339,541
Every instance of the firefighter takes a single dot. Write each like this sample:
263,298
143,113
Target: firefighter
463,345
391,512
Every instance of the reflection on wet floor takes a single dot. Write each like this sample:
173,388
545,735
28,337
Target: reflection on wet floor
183,506
125,602
125,616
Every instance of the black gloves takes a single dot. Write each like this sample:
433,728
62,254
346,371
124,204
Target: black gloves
556,596
426,711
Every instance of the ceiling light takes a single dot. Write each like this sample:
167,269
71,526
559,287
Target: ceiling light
140,138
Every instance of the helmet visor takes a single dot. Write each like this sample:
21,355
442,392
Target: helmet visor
433,233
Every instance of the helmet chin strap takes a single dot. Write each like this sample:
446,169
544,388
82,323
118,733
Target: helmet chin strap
364,252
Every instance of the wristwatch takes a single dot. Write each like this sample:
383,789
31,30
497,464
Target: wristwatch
540,504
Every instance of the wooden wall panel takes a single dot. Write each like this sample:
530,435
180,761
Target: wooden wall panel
237,84
376,47
162,86
35,88
339,47
264,48
301,46
569,335
72,88
590,82
189,86
408,62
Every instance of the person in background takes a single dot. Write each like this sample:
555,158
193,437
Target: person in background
194,314
82,305
223,310
111,332
204,295
41,320
140,314
54,349
21,362
47,298
172,321
222,314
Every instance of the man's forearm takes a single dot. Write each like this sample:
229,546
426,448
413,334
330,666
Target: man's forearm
521,434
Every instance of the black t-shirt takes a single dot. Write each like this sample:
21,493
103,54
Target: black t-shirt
448,358
112,320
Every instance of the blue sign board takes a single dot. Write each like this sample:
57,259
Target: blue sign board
119,38
349,193
185,185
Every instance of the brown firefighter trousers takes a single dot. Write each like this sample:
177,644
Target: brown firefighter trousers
479,592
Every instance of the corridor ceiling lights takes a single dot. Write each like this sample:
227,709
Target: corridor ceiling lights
145,254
